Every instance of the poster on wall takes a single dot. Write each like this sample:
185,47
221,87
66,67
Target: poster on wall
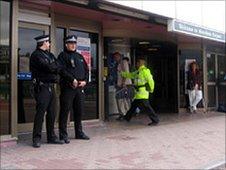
24,64
186,68
84,48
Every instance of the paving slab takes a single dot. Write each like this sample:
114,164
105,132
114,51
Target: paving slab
180,141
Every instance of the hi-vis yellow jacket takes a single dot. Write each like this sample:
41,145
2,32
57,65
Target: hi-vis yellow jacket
142,78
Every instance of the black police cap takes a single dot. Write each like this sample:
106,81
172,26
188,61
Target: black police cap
42,38
71,39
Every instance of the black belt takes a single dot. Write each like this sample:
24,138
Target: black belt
40,83
137,87
49,84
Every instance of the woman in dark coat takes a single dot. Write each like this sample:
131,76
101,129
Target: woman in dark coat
194,86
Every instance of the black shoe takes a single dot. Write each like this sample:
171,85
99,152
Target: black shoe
55,141
81,136
120,117
36,144
153,123
67,141
125,118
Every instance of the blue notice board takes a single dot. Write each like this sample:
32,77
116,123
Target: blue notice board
24,76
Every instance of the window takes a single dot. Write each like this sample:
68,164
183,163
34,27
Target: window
26,103
5,75
60,34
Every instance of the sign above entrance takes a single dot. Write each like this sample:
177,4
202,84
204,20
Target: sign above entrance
187,28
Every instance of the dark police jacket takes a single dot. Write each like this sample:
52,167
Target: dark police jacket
44,66
74,66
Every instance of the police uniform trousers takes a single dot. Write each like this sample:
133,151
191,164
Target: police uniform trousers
71,100
45,102
142,104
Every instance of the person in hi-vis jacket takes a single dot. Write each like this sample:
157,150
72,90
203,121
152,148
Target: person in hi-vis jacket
144,84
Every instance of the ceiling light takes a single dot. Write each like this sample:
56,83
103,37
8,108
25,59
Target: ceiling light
117,40
144,42
156,45
152,49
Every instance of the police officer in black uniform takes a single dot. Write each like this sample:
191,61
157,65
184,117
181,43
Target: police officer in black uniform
72,93
44,68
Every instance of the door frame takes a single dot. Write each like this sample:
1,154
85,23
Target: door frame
27,127
213,83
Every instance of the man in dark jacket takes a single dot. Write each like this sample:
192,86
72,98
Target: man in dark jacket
72,95
44,68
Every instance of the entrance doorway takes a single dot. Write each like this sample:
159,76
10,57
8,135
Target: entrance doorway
161,58
216,80
27,44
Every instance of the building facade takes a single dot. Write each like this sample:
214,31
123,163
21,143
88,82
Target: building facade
103,28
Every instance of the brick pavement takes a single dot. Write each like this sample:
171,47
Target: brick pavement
179,142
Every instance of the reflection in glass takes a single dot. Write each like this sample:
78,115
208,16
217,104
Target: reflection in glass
222,68
79,33
211,67
211,96
5,68
59,40
5,22
26,103
222,80
222,95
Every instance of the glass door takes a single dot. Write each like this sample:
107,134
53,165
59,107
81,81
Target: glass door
5,67
26,102
211,80
216,80
221,81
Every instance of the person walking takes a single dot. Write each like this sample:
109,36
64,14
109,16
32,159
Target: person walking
143,83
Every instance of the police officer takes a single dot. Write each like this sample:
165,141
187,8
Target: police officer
144,84
72,93
44,68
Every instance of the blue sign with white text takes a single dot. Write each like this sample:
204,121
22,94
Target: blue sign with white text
195,30
24,76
